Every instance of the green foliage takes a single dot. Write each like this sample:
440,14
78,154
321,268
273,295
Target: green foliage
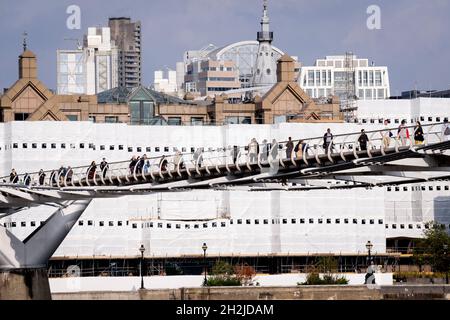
315,279
327,264
223,280
222,267
420,275
431,249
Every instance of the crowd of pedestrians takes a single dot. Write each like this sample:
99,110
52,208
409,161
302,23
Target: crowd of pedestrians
141,164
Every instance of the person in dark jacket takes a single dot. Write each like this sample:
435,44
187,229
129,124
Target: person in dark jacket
13,176
91,170
289,148
27,179
363,139
104,167
327,140
418,133
41,177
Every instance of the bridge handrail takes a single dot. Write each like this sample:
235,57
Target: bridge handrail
206,158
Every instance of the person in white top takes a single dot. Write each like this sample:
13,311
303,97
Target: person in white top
386,134
445,131
403,133
253,150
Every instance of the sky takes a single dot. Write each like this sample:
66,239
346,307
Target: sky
413,40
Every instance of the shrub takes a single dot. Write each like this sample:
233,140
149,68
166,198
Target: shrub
222,267
223,281
315,279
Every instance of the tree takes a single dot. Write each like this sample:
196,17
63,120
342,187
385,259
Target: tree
327,264
221,268
434,248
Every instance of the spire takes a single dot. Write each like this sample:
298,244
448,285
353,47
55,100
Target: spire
265,34
264,73
25,34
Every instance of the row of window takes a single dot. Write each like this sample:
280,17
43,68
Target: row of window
397,121
94,147
223,224
419,188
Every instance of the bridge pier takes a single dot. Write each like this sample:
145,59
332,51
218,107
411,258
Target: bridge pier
24,284
23,271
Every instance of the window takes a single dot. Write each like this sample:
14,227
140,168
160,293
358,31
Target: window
102,147
196,226
410,226
430,188
72,117
111,119
63,145
293,221
311,220
44,146
24,145
15,146
371,221
320,221
80,223
90,223
248,221
266,221
402,226
363,221
256,221
111,224
214,224
231,221
141,112
438,188
134,225
101,223
174,121
148,149
355,221
284,221
239,221
302,221
419,226
81,145
169,226
387,226
23,224
338,221
187,226
446,188
119,223
160,225
33,223
21,116
389,189
111,148
380,221
223,224
178,226
394,226
157,149
195,121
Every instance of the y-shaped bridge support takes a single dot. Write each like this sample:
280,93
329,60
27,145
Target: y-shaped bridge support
23,273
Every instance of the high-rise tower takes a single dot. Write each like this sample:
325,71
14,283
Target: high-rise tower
127,37
265,68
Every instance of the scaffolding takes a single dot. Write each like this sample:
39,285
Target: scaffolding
348,103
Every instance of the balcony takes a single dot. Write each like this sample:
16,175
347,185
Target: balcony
265,36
